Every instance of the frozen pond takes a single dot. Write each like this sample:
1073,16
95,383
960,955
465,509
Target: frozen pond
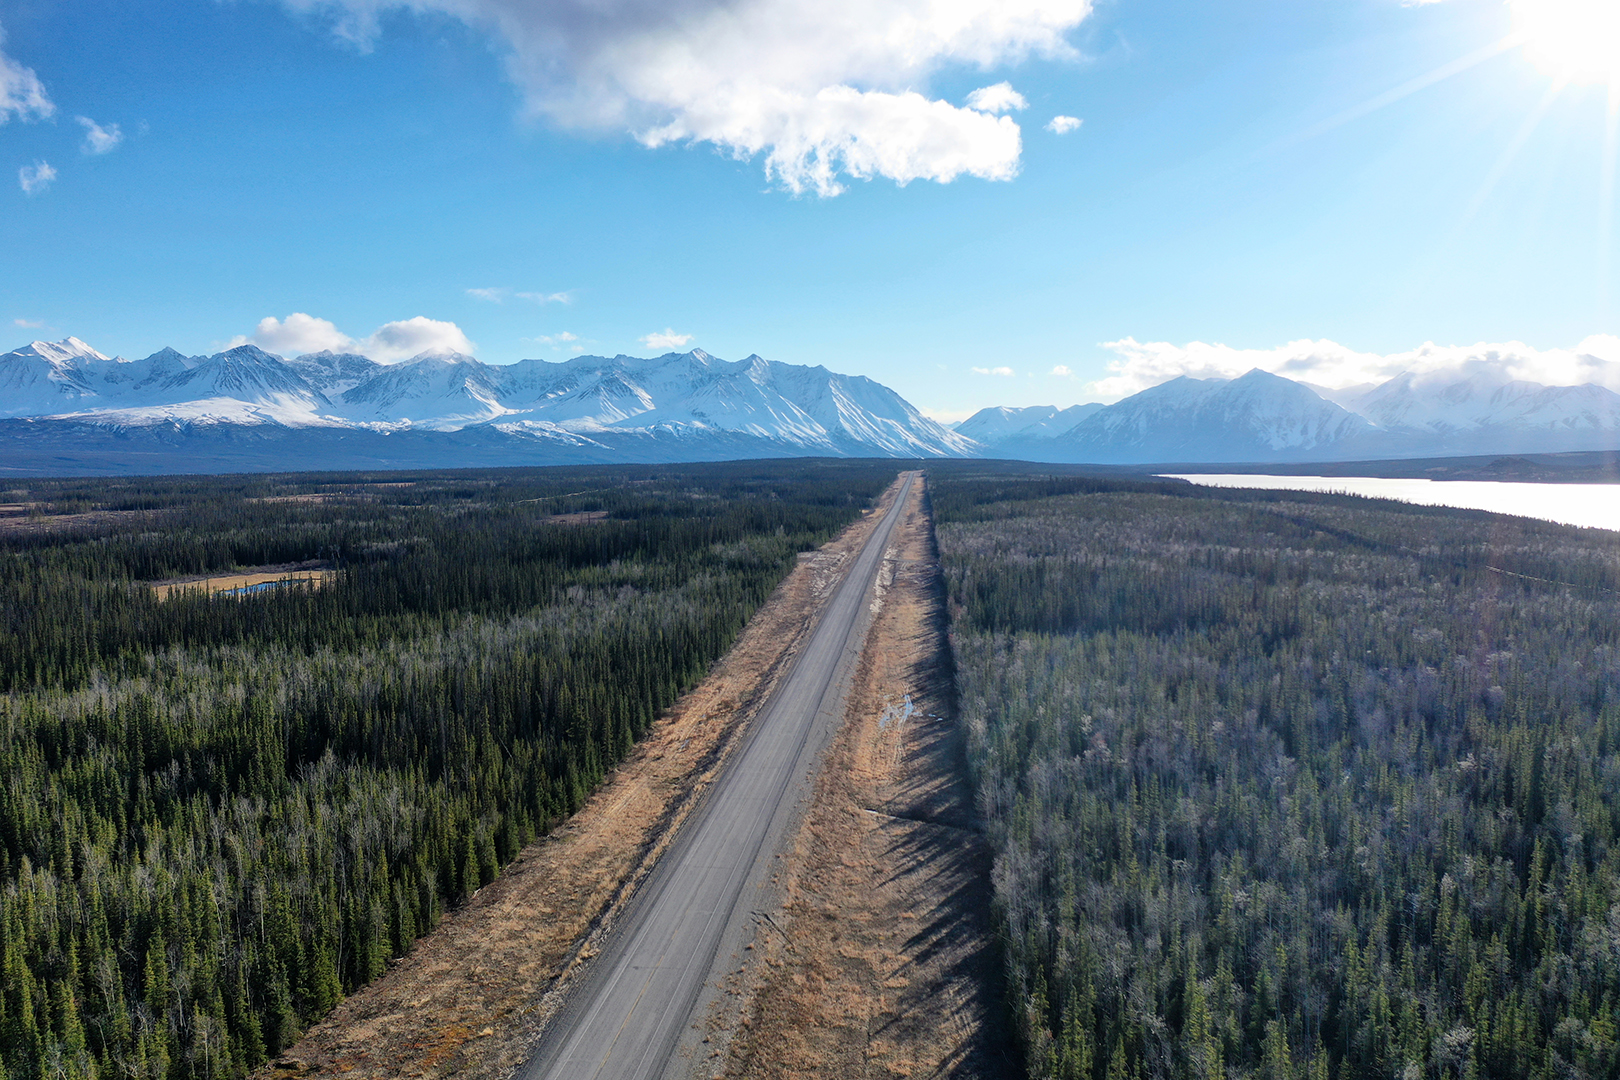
1593,505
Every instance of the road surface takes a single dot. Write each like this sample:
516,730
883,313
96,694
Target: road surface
624,1019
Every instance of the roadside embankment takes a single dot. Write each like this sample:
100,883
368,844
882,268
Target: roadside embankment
877,959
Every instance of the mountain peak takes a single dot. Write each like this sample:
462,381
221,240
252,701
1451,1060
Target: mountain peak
65,351
449,356
247,353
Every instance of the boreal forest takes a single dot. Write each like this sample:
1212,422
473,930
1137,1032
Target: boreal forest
1289,785
221,812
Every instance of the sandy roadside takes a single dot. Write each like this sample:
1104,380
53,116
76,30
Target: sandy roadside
469,998
878,959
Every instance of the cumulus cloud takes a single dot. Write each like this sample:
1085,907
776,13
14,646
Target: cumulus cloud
999,98
1062,370
1005,371
36,177
821,91
494,296
1336,367
1062,125
300,333
21,93
409,337
669,339
98,139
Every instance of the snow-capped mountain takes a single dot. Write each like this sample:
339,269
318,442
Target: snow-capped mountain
66,407
45,376
333,373
681,406
1256,417
998,426
1482,407
1474,409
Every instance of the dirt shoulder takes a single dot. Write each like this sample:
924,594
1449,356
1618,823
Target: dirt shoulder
469,998
878,960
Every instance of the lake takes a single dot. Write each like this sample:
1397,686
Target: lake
1593,505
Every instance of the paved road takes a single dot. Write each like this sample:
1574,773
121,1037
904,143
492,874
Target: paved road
624,1019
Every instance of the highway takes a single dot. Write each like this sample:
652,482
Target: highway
626,1015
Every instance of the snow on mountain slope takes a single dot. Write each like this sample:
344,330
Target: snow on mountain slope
680,406
444,391
1256,417
69,350
1484,400
997,425
246,373
43,377
334,373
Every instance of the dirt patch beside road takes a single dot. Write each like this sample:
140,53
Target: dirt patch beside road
469,997
878,960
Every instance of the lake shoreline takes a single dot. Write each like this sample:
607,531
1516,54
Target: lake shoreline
1593,506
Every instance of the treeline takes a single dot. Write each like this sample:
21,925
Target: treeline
1290,786
218,816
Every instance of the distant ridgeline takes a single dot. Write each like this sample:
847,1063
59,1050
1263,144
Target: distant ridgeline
1291,785
218,815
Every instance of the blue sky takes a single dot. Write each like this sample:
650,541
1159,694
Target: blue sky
1247,183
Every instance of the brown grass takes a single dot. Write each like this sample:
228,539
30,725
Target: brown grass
313,579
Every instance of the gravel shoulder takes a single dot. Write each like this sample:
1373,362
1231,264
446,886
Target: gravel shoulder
877,959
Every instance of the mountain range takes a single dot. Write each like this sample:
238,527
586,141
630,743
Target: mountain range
1260,417
65,405
67,408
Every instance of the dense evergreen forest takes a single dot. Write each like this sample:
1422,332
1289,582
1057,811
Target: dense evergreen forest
218,815
1286,785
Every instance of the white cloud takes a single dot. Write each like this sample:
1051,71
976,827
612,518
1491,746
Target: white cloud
999,98
564,339
669,339
21,93
1004,371
1062,125
409,337
36,177
499,294
29,324
1063,370
822,91
390,342
98,139
300,333
1329,364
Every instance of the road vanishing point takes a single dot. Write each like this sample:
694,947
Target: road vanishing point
625,1018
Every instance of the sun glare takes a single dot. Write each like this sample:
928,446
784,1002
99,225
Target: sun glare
1574,40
